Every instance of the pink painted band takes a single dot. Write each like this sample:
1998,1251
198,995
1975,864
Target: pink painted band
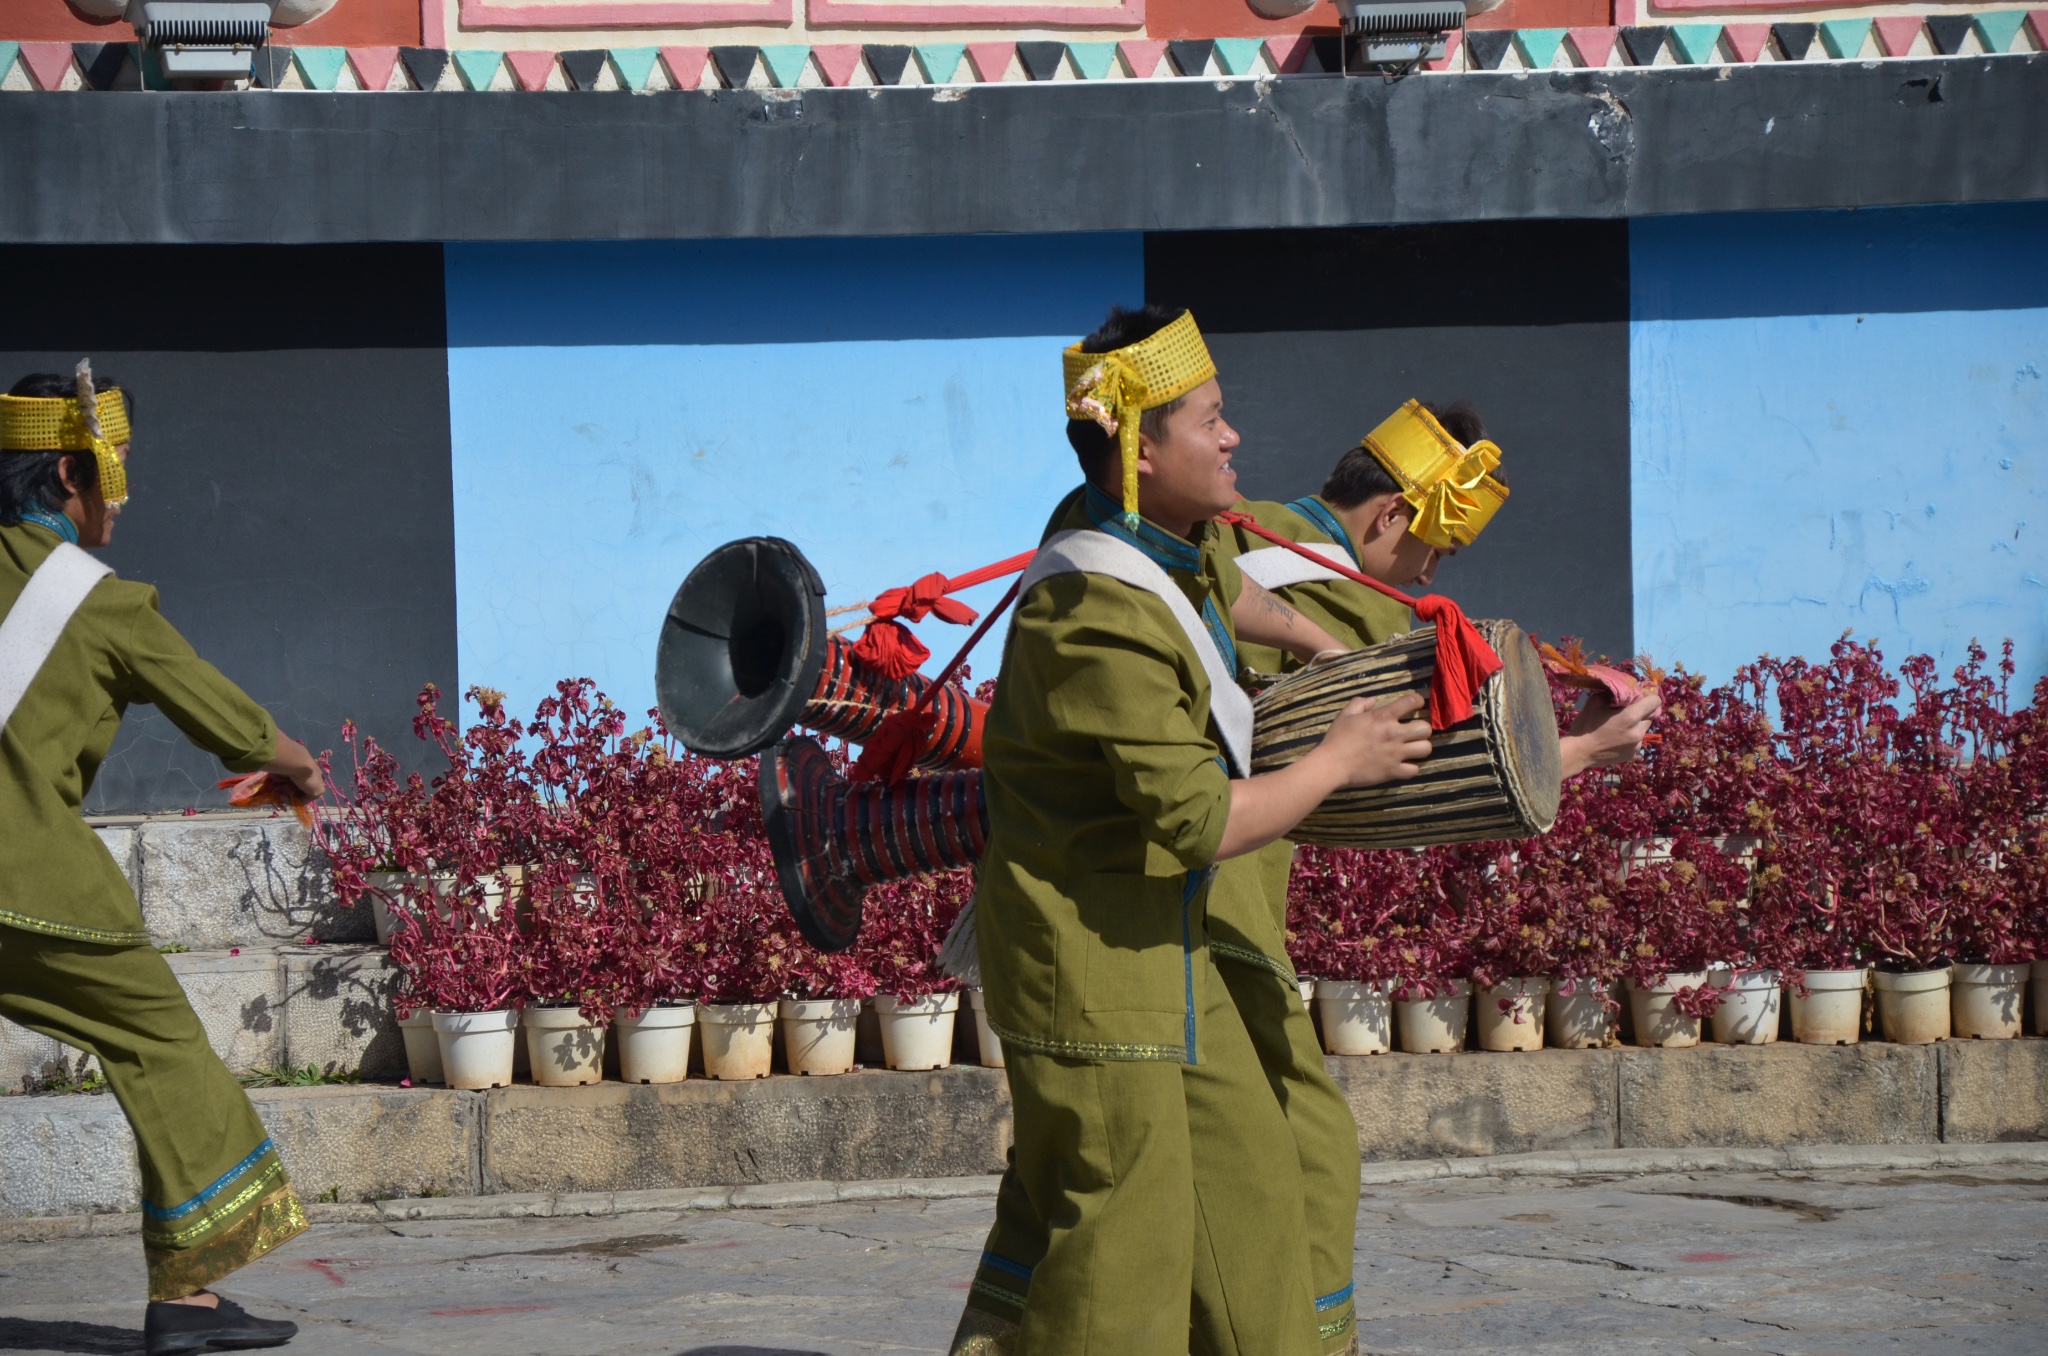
482,14
908,14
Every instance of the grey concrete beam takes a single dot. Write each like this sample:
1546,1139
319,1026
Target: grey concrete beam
1994,1091
212,882
1107,156
1424,1106
1732,1096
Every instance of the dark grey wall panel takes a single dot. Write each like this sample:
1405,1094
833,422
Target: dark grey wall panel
290,473
1527,320
1119,155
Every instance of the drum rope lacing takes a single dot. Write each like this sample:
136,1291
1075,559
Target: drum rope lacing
1464,661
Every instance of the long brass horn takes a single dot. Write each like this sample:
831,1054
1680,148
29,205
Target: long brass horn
833,839
745,655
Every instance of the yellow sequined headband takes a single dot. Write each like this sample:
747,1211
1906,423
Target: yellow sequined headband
91,421
1114,388
1450,486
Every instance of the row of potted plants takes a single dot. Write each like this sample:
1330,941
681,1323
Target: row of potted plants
1806,829
564,876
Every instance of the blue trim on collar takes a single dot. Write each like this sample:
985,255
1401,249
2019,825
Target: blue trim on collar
1317,512
55,522
1162,547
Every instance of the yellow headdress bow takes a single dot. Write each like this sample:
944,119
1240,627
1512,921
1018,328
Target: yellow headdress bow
1114,388
1450,486
91,421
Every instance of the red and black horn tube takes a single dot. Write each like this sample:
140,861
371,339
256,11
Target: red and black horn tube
833,839
745,654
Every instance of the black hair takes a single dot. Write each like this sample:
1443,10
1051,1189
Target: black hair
1099,451
33,479
1358,475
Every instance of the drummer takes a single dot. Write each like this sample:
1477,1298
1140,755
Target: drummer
1152,1205
1394,507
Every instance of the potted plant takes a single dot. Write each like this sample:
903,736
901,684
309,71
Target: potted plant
1339,903
1430,943
915,1003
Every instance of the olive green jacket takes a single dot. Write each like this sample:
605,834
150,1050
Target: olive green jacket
55,875
1107,797
1248,905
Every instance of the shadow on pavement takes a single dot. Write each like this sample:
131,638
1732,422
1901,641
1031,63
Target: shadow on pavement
85,1339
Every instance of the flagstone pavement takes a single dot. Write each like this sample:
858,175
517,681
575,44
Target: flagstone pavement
1836,1262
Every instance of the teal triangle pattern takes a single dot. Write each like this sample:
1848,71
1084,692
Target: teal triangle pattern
1091,59
1844,38
1238,55
786,62
478,67
1696,42
8,52
319,67
1997,29
634,65
1538,46
940,60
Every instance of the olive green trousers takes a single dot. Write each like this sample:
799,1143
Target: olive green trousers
214,1195
1150,1209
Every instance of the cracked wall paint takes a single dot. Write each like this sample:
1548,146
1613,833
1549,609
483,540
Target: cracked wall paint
619,410
1838,424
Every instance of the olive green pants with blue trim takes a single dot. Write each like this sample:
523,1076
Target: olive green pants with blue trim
214,1195
1151,1208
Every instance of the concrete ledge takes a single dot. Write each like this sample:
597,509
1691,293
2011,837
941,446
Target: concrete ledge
624,1137
1420,1106
785,1140
1994,1091
1769,1095
218,881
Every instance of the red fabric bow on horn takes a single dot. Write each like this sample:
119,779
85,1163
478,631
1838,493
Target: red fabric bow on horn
888,646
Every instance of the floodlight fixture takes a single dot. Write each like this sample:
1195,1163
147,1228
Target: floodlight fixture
211,40
1385,34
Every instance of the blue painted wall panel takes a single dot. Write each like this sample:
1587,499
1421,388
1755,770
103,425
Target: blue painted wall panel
1839,424
618,410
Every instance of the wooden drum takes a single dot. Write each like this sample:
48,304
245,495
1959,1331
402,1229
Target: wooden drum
1494,776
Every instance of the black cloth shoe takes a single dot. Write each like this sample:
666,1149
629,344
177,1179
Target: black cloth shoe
174,1329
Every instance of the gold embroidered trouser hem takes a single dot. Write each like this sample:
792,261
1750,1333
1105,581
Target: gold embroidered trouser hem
173,1275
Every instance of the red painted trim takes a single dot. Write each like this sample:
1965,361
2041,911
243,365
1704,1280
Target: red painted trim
908,14
484,14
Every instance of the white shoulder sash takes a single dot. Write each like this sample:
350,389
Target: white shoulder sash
1276,567
1090,552
31,627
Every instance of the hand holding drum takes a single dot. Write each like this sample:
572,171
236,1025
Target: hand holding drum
1374,741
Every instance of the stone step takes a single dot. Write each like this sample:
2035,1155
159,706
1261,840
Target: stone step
264,1007
71,1155
227,879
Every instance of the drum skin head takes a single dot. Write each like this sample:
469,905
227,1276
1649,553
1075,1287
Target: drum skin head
1525,724
741,648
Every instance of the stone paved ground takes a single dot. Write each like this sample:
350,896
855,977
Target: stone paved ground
1840,1262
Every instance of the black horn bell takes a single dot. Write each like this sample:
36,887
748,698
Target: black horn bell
741,648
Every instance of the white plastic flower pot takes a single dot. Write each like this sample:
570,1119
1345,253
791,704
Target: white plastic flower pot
1577,1017
476,1047
738,1039
917,1033
2041,997
985,1038
422,1048
1511,1014
1659,1023
1358,1019
1831,1012
654,1043
1435,1026
1307,987
564,1048
1750,1004
1987,1002
817,1034
1913,1006
384,891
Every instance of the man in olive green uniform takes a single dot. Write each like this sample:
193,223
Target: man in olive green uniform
1418,488
76,961
1153,1204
